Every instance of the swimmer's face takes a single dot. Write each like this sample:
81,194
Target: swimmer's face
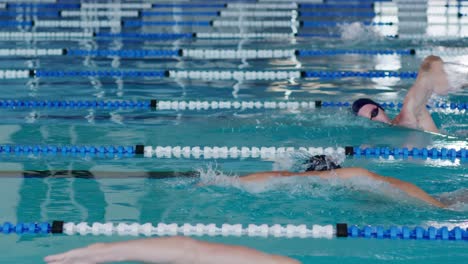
374,113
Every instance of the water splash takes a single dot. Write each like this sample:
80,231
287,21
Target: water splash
457,76
211,175
449,225
456,200
358,32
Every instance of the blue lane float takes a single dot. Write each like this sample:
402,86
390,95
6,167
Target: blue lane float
77,104
43,5
178,13
29,14
403,232
36,228
362,74
422,153
139,23
52,149
336,6
340,230
99,73
189,5
146,36
16,23
135,53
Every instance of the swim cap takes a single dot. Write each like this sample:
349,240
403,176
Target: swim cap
321,163
358,104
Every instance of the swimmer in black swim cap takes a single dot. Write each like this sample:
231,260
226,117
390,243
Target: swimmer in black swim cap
321,163
432,78
368,108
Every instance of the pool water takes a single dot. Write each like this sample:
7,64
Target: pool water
84,188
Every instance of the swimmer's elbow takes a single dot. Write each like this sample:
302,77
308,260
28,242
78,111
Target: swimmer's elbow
439,204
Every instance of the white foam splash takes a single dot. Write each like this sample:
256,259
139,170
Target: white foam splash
449,225
456,200
212,176
308,186
358,31
457,76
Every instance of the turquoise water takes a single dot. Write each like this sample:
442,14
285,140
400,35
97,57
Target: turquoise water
129,195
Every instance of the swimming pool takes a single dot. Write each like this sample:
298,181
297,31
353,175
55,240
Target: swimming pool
112,66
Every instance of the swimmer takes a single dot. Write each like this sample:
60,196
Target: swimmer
432,78
323,167
167,250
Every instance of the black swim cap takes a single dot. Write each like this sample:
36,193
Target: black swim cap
358,104
321,163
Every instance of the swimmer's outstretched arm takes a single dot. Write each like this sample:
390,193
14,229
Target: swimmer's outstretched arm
432,78
167,250
348,173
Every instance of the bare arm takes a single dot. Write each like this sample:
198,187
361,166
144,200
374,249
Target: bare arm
348,173
432,78
409,188
167,250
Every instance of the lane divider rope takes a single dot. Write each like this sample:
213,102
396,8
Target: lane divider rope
99,13
263,5
6,35
276,75
179,13
79,5
207,74
189,5
340,230
292,13
260,13
212,23
235,152
116,5
349,5
98,73
262,35
44,35
229,53
404,6
147,36
206,105
266,6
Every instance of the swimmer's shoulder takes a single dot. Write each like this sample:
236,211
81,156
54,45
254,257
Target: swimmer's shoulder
355,172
